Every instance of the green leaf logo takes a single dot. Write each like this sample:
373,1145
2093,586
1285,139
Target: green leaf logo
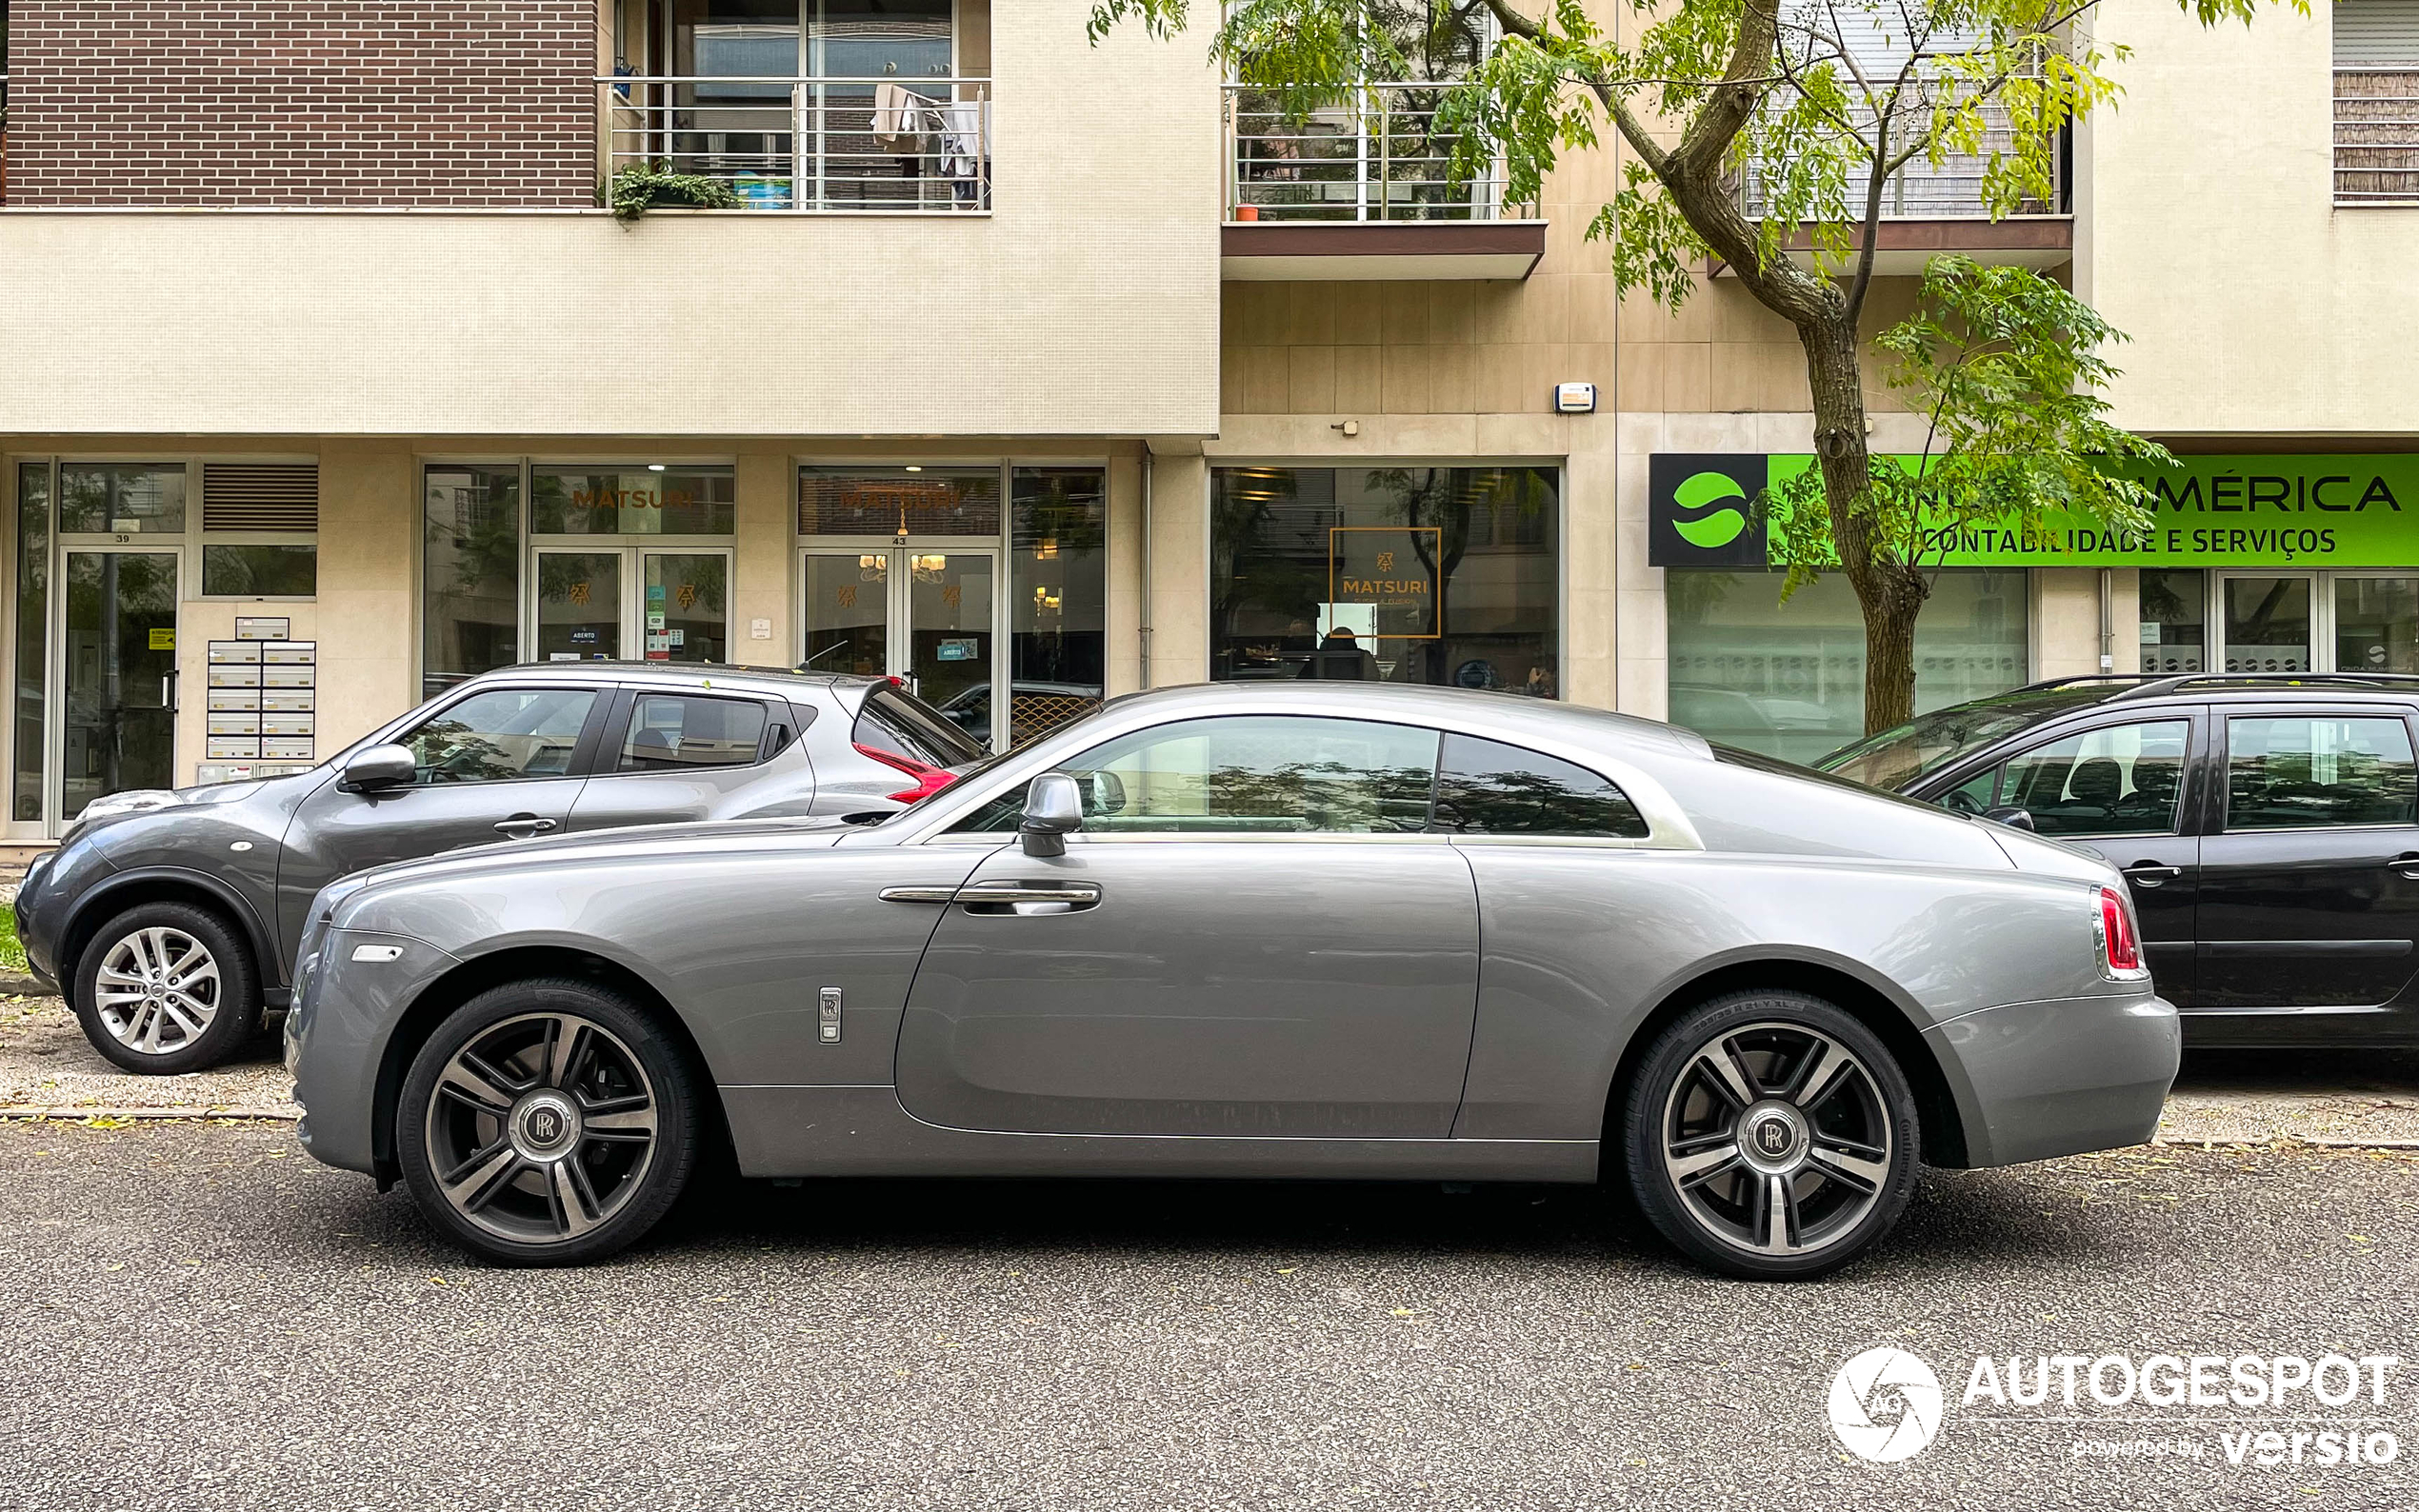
1722,527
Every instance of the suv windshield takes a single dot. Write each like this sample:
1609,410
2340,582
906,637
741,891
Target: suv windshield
1895,758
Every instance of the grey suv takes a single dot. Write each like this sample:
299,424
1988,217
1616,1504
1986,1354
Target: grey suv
170,918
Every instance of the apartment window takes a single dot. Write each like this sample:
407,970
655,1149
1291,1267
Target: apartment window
1446,576
121,498
2376,102
1788,679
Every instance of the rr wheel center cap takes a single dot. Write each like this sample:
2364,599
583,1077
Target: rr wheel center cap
544,1126
1772,1138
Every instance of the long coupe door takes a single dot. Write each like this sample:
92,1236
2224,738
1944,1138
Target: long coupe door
1252,938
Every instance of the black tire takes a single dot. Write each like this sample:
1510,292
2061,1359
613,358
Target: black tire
190,1024
1845,1161
522,1169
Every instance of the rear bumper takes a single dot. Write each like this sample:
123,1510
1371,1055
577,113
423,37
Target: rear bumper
2036,1079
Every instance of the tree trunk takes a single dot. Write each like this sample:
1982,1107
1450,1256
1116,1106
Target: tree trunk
1890,592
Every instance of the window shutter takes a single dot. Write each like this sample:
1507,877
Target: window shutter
2376,32
260,496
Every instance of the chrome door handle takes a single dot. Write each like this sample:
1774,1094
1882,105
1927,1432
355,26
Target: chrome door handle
2149,873
521,826
2407,864
917,894
1027,899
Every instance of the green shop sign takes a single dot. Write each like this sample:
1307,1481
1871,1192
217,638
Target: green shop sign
2317,511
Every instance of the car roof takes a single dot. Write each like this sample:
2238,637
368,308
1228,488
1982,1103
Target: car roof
1509,713
775,680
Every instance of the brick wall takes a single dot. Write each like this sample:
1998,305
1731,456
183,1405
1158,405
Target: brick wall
301,102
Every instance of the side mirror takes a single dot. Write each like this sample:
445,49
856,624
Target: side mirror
1054,810
2012,818
376,767
1108,795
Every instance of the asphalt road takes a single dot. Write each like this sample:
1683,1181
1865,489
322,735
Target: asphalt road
201,1316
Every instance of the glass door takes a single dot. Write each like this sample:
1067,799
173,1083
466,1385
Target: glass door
2267,621
928,617
949,643
685,599
579,606
117,718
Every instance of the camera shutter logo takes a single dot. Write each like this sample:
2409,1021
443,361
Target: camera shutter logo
1886,1406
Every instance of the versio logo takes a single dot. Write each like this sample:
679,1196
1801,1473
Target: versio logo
1886,1406
1700,509
1701,490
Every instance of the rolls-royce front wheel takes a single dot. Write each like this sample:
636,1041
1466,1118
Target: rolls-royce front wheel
547,1123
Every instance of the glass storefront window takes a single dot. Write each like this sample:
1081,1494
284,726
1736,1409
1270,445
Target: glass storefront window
1789,679
121,498
2266,623
634,501
2377,625
899,501
471,579
260,571
2174,616
1058,599
34,609
1450,576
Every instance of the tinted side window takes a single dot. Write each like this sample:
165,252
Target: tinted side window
2296,773
501,735
1486,787
674,732
1250,774
2125,780
889,721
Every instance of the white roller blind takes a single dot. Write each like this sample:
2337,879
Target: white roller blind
2376,32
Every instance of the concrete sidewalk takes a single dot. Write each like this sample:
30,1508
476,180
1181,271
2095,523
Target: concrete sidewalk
2350,1097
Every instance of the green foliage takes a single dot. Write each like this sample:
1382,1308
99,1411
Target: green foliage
2004,367
642,185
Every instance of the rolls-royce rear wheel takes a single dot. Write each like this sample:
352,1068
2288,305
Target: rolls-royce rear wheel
547,1123
1771,1136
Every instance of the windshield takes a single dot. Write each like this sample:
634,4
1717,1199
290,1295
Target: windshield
1895,758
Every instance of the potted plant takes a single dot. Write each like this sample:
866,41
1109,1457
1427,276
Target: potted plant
641,186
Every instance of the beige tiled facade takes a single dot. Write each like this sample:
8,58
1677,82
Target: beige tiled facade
1083,319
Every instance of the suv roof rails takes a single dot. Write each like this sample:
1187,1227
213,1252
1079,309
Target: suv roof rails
2048,683
2158,687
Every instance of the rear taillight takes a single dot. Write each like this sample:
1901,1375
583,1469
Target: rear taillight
928,780
2120,947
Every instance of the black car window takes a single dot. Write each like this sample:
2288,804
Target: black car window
1249,775
1486,787
891,722
672,732
2121,779
501,735
2304,773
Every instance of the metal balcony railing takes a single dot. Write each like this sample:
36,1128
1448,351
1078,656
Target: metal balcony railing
1375,156
1952,192
2377,135
895,145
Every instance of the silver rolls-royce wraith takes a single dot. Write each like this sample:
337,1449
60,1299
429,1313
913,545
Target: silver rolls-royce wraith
1319,929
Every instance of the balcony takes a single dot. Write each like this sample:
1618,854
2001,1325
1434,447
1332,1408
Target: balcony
1927,210
1360,190
888,145
2377,135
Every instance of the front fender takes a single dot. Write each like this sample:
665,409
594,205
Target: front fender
119,891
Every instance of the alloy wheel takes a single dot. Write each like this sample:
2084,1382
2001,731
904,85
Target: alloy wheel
1776,1139
157,990
541,1129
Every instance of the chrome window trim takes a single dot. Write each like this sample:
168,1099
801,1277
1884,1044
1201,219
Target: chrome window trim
1667,824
